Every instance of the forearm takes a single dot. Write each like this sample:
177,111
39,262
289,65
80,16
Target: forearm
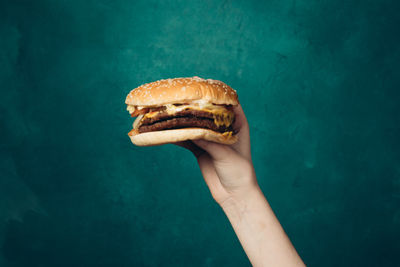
259,231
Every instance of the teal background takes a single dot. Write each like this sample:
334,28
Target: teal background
319,82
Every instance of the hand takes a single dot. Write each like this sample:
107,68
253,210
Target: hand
229,174
227,169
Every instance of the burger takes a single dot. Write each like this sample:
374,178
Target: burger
173,110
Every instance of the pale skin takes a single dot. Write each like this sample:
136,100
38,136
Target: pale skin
229,174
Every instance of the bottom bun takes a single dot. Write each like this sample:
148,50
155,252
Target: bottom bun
177,135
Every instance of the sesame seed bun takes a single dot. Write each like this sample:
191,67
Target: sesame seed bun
182,90
177,135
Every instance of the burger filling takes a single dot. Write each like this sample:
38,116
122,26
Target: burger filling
214,117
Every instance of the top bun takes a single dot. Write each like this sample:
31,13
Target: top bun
182,90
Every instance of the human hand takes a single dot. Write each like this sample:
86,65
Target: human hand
227,169
229,174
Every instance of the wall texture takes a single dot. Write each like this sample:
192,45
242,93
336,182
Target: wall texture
319,82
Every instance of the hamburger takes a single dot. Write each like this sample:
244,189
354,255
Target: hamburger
173,110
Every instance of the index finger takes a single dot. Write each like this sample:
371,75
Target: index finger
189,145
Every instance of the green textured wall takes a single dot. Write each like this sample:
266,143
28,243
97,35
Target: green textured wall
319,81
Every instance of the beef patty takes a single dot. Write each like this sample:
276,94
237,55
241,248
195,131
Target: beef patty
184,122
183,119
183,113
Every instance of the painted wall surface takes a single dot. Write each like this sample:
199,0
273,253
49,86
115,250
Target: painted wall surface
319,82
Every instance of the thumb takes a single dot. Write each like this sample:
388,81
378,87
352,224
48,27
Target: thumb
216,151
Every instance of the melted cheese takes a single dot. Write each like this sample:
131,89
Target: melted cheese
151,114
223,118
227,134
171,108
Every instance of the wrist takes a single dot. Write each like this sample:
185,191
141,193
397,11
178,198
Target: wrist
241,201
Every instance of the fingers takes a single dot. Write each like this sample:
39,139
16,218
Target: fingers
197,151
217,151
241,125
240,119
